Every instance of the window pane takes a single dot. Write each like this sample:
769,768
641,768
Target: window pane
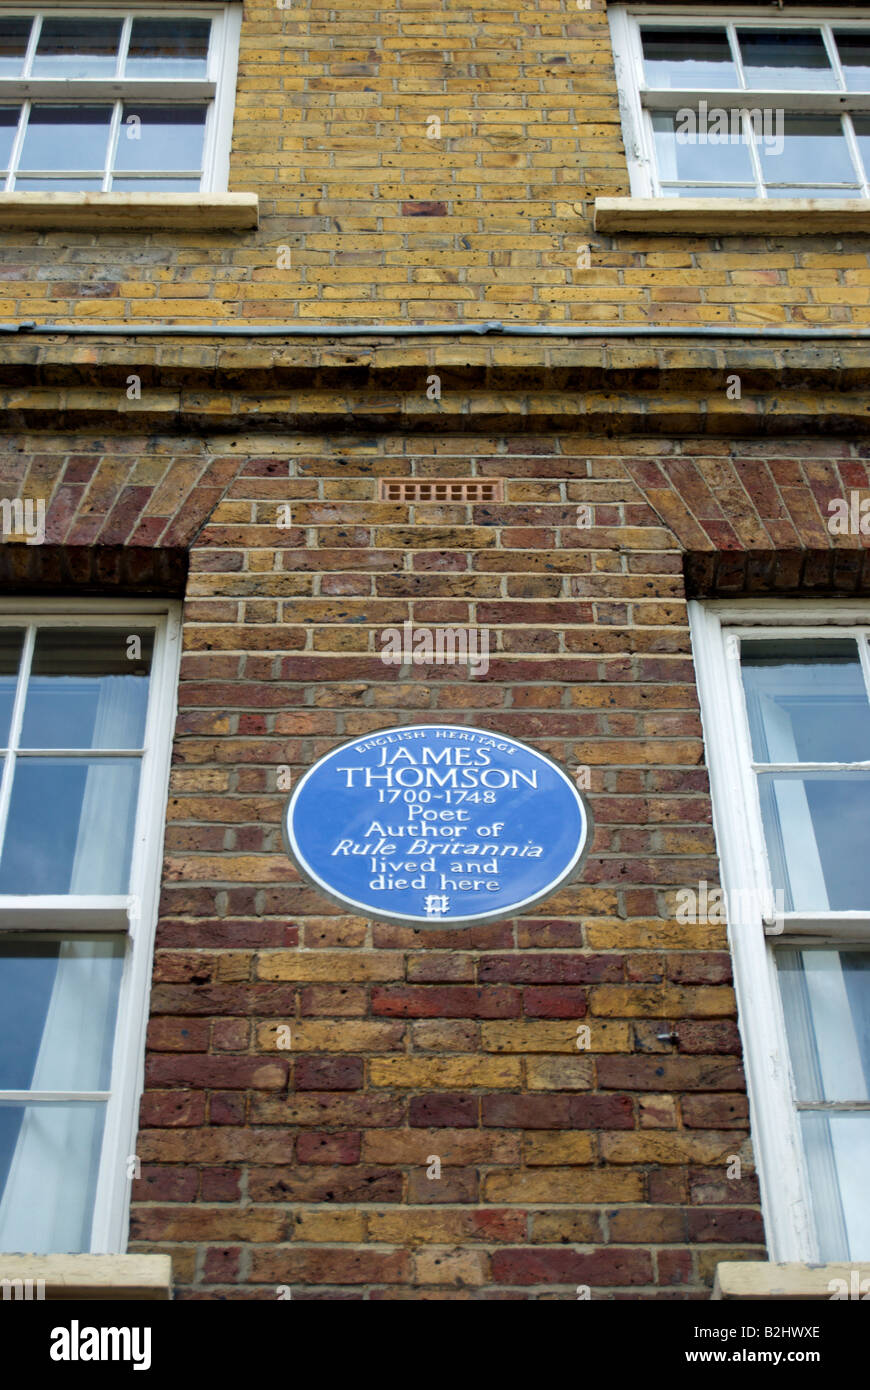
77,48
826,1002
786,60
11,639
813,150
70,827
854,50
14,34
687,151
58,1006
160,138
683,58
837,1149
708,190
84,690
796,191
862,133
8,126
155,185
66,184
66,137
806,701
168,48
49,1162
816,833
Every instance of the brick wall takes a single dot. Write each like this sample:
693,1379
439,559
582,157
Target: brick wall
384,223
307,1168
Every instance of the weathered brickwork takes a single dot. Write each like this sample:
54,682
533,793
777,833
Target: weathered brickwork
384,223
307,1167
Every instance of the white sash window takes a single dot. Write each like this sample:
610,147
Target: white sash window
785,700
86,703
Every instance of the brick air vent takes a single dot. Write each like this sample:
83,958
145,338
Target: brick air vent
441,490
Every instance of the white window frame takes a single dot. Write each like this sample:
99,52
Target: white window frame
637,102
217,89
740,842
134,913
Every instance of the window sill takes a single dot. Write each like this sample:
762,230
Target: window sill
76,1277
94,212
732,216
764,1279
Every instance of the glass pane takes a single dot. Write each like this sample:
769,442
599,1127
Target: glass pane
786,60
8,126
85,691
14,34
155,185
862,133
808,192
688,151
58,1006
49,1162
854,50
816,833
160,138
826,1002
11,639
70,827
806,700
708,190
77,48
66,137
837,1149
168,48
682,58
66,184
813,149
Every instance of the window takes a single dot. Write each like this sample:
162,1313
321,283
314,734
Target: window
86,697
785,699
120,101
752,107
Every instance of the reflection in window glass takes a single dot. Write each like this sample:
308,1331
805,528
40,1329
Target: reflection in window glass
174,48
85,691
694,154
785,60
14,34
162,138
806,700
49,985
11,640
814,150
77,48
66,137
70,827
854,50
49,1164
682,58
815,832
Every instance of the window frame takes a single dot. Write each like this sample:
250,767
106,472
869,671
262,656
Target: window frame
635,113
133,914
774,1114
217,89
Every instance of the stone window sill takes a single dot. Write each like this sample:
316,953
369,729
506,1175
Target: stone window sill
808,1282
94,212
78,1277
732,216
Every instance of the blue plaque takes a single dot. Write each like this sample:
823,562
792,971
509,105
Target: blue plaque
436,823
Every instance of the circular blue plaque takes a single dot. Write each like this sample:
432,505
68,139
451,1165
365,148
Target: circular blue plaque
436,823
